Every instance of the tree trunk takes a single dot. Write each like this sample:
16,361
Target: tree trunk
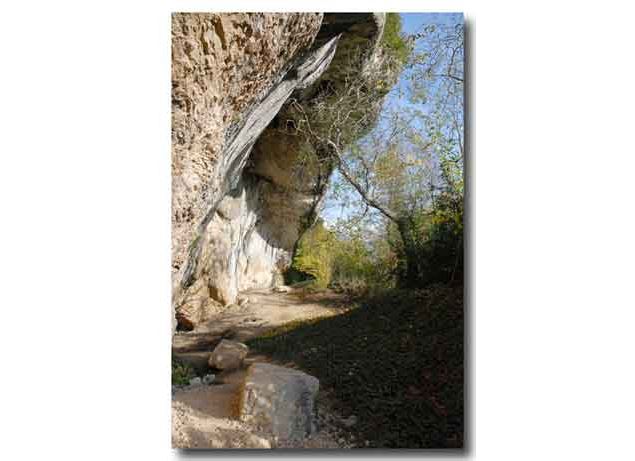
407,233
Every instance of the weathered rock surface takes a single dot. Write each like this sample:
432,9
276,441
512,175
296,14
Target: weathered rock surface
196,306
279,399
239,202
242,300
204,417
228,355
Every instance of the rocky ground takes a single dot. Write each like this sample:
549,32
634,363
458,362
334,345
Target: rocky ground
205,415
390,369
202,418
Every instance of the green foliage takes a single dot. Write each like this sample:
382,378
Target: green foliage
362,260
181,373
314,255
352,261
346,258
293,276
407,168
393,41
435,253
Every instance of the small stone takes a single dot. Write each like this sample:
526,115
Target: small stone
195,381
228,355
209,379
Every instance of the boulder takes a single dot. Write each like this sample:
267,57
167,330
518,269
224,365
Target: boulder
228,355
280,400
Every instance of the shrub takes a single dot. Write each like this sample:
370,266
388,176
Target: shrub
313,258
438,235
181,373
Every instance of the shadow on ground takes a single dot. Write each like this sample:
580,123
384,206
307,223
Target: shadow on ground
395,363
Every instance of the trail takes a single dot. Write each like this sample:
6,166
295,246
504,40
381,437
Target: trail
205,416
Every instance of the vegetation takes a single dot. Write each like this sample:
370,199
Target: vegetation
181,373
314,256
340,259
399,173
393,40
395,362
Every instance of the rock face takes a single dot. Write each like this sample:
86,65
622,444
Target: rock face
228,355
280,400
239,200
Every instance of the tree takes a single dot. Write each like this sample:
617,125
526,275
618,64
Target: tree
314,255
404,162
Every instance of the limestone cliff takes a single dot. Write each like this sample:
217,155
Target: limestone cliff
239,200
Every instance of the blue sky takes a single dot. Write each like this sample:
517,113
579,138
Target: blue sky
411,23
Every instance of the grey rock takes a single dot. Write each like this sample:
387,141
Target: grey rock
216,82
209,379
195,381
237,219
281,400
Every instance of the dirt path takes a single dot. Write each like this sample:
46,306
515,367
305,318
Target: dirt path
204,416
266,310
